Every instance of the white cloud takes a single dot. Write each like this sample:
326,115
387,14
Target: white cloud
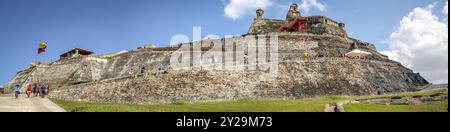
445,10
421,43
236,9
308,4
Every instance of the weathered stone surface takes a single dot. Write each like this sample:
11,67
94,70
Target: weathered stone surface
260,26
117,77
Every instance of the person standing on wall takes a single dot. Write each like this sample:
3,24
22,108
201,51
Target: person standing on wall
306,55
17,90
161,69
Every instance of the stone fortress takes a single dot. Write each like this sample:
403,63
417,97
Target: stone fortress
145,76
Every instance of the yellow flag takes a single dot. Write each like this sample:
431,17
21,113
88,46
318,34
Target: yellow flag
43,45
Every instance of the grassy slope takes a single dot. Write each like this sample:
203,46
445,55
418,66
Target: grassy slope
247,105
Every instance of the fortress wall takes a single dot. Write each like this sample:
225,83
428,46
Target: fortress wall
117,79
291,47
131,64
325,25
54,74
322,19
299,79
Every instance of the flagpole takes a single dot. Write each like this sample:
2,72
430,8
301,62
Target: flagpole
42,47
36,64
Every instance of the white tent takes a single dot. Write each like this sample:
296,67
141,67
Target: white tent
358,53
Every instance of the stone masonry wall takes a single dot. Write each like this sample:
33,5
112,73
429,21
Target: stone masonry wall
117,78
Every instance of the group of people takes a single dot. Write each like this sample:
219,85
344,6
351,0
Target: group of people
38,90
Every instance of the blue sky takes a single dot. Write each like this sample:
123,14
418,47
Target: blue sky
105,26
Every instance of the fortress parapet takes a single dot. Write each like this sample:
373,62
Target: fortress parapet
296,23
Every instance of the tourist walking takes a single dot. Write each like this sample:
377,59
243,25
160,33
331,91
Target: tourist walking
35,89
38,92
29,91
17,90
48,90
43,88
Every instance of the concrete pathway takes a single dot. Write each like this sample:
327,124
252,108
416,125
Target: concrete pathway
437,87
9,104
434,89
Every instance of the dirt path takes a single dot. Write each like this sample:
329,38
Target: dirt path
9,104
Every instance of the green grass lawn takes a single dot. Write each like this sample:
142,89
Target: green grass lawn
247,105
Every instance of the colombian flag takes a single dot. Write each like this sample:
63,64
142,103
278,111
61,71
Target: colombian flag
42,47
